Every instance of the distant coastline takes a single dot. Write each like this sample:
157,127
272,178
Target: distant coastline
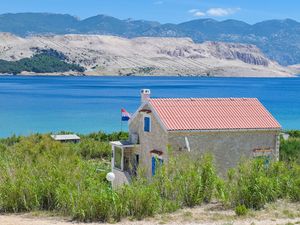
136,75
75,74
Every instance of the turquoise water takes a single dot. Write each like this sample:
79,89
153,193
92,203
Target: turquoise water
87,104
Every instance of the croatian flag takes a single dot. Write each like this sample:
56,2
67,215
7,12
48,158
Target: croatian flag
125,115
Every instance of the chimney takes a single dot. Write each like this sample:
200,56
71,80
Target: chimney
145,95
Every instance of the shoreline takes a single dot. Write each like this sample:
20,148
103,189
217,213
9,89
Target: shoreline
138,75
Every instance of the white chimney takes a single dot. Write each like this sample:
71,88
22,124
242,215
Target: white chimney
145,95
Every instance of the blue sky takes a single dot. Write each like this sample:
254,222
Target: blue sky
174,11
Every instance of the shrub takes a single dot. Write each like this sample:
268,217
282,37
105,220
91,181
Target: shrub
292,183
241,210
290,150
250,186
10,140
140,200
101,136
186,180
294,133
91,149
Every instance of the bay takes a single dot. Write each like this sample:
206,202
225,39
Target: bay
30,104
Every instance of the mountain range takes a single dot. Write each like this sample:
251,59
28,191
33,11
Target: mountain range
112,55
278,39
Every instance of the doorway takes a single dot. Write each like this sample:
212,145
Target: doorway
156,163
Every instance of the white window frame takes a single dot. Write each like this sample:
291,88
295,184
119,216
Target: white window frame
150,123
122,159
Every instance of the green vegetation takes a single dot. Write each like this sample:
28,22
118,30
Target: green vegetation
294,133
144,70
254,184
290,149
38,173
96,145
241,210
45,62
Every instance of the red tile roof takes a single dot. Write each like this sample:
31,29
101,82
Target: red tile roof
213,113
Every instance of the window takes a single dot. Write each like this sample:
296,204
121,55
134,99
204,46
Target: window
118,158
147,124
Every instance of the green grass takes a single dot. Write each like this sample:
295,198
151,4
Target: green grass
290,149
39,174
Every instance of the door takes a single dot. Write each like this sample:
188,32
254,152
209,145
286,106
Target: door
156,163
136,164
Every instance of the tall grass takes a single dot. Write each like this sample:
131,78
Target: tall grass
34,170
254,184
38,173
290,149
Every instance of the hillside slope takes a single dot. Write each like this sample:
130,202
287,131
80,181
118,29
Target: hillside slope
109,55
278,39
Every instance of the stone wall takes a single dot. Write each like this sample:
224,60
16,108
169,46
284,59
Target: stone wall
120,178
227,147
156,139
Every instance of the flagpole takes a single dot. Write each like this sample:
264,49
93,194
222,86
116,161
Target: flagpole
125,117
121,122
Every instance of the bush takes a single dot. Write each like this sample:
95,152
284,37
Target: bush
290,150
292,183
294,133
101,136
91,149
254,184
140,200
89,200
10,140
186,180
241,210
251,186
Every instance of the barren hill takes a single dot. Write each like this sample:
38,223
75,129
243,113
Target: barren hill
110,55
278,39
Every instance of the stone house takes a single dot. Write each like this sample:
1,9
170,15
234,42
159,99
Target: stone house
229,128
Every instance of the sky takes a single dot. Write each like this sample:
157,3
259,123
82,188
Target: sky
164,11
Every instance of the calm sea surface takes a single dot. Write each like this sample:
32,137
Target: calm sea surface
87,104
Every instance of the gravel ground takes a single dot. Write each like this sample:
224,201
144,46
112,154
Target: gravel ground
277,213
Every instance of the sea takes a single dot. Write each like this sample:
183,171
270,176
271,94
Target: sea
40,104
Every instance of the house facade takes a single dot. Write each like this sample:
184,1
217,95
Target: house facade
229,128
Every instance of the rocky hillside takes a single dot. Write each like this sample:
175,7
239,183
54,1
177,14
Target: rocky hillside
109,55
278,39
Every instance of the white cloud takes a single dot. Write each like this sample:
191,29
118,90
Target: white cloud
216,12
199,14
196,12
193,10
222,11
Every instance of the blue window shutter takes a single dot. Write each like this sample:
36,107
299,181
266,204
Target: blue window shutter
146,124
153,165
